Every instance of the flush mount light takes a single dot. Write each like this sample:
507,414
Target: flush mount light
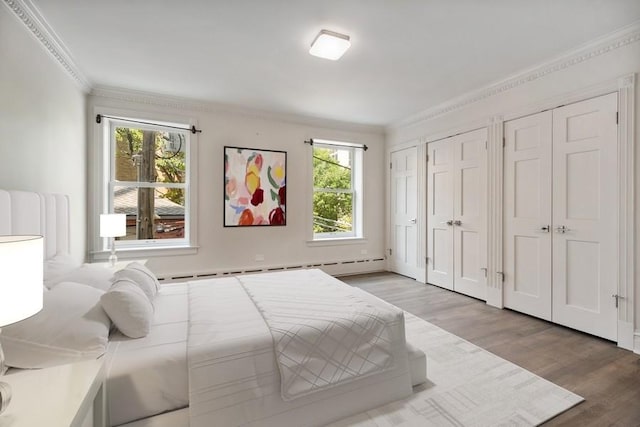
329,45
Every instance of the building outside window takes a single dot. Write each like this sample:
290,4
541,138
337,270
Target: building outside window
147,178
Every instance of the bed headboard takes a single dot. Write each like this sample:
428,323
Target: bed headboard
24,212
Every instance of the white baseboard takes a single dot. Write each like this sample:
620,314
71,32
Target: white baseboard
625,335
494,297
334,268
636,343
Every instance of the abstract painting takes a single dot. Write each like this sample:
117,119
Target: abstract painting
255,190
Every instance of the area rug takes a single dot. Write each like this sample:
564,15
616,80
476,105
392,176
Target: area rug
467,386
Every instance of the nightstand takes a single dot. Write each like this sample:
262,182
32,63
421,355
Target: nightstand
61,396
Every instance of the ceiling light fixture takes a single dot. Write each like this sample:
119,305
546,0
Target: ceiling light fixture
329,45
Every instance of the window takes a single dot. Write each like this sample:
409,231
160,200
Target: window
147,177
337,189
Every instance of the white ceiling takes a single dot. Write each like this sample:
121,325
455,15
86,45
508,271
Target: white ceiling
406,55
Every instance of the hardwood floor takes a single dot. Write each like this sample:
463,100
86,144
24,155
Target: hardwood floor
605,375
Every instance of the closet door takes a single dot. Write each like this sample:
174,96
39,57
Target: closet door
440,171
527,215
584,216
469,213
404,212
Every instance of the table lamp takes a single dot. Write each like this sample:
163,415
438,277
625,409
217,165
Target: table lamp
21,271
112,226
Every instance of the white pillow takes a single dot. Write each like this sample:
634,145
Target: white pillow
128,307
71,326
57,267
95,275
141,275
143,269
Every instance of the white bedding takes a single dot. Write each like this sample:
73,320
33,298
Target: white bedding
235,380
323,333
148,376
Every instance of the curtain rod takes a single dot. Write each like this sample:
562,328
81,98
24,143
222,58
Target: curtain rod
192,129
364,147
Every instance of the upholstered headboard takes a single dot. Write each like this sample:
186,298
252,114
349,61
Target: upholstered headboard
23,212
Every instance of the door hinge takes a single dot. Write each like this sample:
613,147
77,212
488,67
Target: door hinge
617,117
504,141
427,158
501,276
390,165
486,145
390,252
426,259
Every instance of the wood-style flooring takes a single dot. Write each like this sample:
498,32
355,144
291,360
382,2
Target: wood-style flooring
605,375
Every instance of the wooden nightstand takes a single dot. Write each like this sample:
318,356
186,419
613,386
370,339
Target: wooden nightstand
61,396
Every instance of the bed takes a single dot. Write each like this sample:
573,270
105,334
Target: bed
210,354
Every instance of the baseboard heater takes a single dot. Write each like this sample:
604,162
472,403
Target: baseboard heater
253,269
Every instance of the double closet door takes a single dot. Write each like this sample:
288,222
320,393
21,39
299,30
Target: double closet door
560,218
456,213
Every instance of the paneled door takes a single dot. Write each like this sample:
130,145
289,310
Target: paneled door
470,213
527,214
440,173
584,216
403,256
456,205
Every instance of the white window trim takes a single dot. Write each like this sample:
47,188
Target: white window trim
357,189
100,159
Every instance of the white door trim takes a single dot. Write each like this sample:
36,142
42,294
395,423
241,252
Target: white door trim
626,212
495,195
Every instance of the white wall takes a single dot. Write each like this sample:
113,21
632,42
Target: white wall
588,73
42,124
235,248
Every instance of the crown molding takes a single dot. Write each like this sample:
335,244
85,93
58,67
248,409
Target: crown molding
180,103
37,25
600,46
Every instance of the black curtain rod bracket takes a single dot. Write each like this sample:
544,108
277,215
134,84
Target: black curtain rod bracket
363,146
192,129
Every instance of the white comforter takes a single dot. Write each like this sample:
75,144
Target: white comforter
232,367
323,334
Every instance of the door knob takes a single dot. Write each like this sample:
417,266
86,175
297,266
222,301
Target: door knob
457,222
412,221
450,222
545,228
562,229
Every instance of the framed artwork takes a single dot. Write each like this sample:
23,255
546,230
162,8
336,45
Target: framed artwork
255,190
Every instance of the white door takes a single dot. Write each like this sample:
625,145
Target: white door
584,216
527,215
470,213
440,171
403,256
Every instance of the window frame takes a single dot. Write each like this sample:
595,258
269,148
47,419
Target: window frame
356,190
105,183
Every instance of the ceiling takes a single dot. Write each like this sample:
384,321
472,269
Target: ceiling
406,55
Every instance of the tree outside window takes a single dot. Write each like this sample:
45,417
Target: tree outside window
149,182
334,192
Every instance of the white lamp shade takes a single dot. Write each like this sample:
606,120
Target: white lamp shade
329,45
113,225
21,270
